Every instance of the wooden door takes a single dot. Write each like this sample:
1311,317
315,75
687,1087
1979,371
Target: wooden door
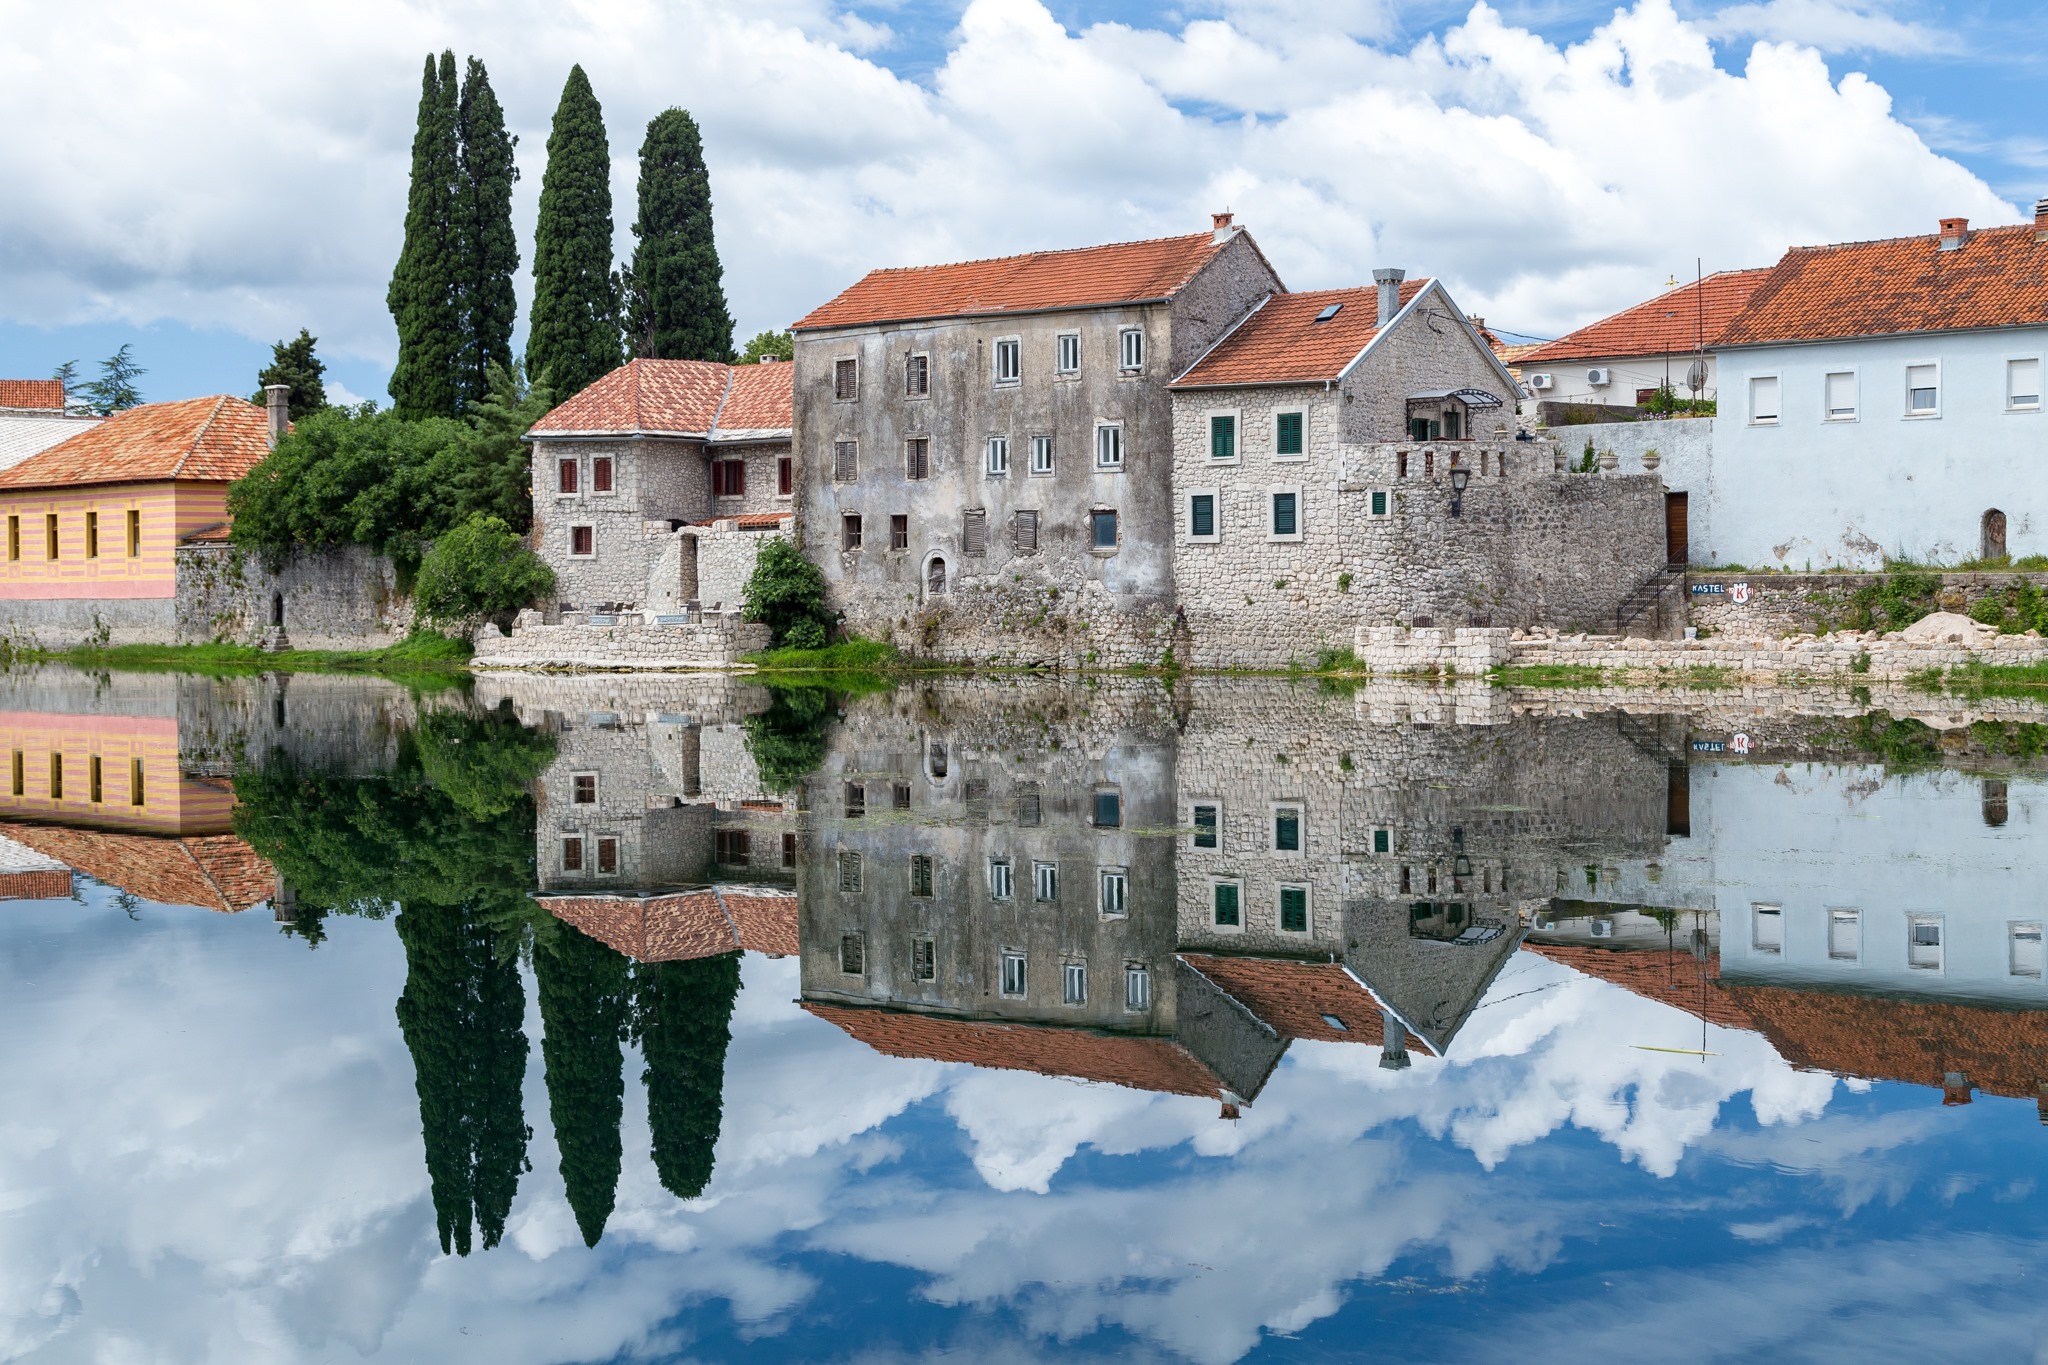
1676,549
1994,534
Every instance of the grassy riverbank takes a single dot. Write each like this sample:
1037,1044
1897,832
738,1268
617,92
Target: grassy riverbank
422,656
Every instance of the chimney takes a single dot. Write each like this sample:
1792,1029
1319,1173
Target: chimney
1955,1088
1954,232
277,400
1221,228
1393,1033
1389,282
2041,220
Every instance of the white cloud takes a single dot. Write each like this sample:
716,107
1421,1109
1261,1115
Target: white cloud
1830,26
244,166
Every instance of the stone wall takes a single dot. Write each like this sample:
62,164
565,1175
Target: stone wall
715,642
1848,655
1427,349
1780,604
66,622
1685,450
345,597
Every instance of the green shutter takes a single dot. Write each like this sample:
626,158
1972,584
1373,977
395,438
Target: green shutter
1287,831
1288,437
1283,514
1226,903
1222,438
1205,827
1202,515
1379,502
1382,841
1294,909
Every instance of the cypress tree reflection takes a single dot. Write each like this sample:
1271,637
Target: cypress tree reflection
682,1014
583,1011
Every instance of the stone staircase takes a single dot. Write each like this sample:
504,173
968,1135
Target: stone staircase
1647,605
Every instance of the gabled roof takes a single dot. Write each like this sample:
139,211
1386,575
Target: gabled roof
1672,322
686,925
1671,977
1998,277
213,872
216,439
1139,1062
1036,282
32,393
700,399
1282,343
1298,999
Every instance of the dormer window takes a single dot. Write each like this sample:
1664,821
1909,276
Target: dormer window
1328,313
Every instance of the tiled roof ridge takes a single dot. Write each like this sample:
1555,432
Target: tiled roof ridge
724,397
1032,255
2002,228
199,436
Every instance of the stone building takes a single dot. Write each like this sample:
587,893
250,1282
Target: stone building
654,487
986,446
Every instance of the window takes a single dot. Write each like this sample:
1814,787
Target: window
849,870
899,795
14,537
1383,840
94,773
849,531
846,380
1841,397
734,847
856,800
134,533
1013,974
1109,809
917,457
1380,504
1137,988
1045,882
921,875
2023,949
582,542
785,476
601,474
135,785
56,777
1223,903
998,462
572,853
1207,818
1287,829
1041,455
1287,515
1923,390
1222,436
608,855
1845,935
1130,349
1074,983
1001,885
899,533
1102,530
2023,385
935,761
1766,927
728,478
92,535
917,376
50,536
1024,532
583,789
18,775
1009,360
1763,399
1287,434
789,850
845,461
974,532
565,476
1923,942
1293,909
1030,806
1109,446
1202,515
924,959
1111,889
853,954
1066,349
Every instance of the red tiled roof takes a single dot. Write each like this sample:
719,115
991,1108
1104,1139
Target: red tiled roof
216,439
687,397
1038,281
32,393
750,521
1135,1061
213,872
1675,978
35,886
1292,998
1283,343
1997,278
691,924
1673,321
218,533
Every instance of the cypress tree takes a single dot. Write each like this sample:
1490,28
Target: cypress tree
682,1015
675,292
583,1011
573,333
489,249
422,297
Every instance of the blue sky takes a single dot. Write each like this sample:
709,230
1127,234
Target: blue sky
202,218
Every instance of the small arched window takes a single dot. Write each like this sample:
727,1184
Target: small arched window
935,577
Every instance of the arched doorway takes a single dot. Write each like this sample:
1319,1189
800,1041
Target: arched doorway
1994,535
277,610
935,577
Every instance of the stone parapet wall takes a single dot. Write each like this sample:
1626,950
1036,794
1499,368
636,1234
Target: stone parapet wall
707,698
1401,649
1778,604
717,642
1850,655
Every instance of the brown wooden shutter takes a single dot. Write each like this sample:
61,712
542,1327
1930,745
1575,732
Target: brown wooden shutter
1026,530
974,533
845,379
845,461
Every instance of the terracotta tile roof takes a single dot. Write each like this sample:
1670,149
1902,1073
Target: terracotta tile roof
1037,281
686,925
216,439
1135,1061
1292,998
1675,978
751,521
216,534
762,921
35,886
1673,321
1997,278
212,872
32,393
1283,343
683,397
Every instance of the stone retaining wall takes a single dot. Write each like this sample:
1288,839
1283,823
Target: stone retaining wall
718,642
344,597
1850,655
1778,604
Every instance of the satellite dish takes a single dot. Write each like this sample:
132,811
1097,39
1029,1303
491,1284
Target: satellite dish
1696,376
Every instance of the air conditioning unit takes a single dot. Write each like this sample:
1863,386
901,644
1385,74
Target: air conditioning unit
1602,928
1541,381
1600,377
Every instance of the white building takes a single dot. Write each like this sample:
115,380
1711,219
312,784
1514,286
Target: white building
1619,361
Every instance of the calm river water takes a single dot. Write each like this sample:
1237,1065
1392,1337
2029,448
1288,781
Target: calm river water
675,1018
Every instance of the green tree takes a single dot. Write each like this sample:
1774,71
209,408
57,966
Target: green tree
675,291
769,345
115,389
426,381
787,592
293,363
489,250
479,568
583,1009
787,740
573,331
67,375
682,1016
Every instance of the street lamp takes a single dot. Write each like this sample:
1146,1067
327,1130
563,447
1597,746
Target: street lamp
1460,476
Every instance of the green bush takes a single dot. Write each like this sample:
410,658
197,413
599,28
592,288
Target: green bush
787,594
481,568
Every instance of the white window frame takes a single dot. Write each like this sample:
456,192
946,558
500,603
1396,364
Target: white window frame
1855,414
1130,350
1236,456
1237,883
1300,514
1215,535
1013,348
1308,909
1045,883
1278,458
995,462
1112,892
596,788
1300,810
1757,911
2040,375
837,361
1215,801
1042,445
1074,983
576,526
1060,347
1137,988
2013,929
1108,434
914,395
1749,395
1854,916
582,868
1002,879
1372,838
1913,925
1013,974
1911,414
582,482
1386,493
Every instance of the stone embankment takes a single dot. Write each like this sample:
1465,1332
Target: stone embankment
632,643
